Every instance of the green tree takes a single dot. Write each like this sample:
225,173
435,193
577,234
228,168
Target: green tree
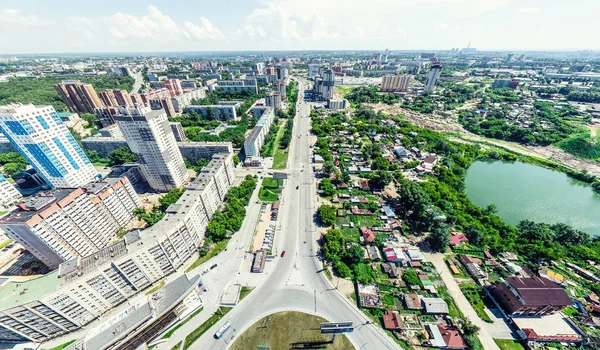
327,187
439,238
14,168
171,197
236,160
327,214
93,155
380,179
328,167
120,156
353,255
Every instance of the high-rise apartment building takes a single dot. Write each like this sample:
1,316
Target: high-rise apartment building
434,75
313,70
280,86
324,84
394,83
150,138
85,289
174,87
270,69
106,115
178,131
65,223
9,195
115,98
79,97
273,99
38,133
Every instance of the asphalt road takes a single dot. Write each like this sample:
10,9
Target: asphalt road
296,281
139,79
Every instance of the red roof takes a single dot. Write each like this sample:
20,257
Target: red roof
452,337
530,334
367,234
391,320
458,238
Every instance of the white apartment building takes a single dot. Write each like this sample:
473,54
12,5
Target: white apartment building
85,288
66,223
9,195
313,70
256,139
38,133
151,139
434,75
394,83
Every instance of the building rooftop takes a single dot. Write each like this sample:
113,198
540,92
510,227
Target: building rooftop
539,291
435,305
35,205
17,293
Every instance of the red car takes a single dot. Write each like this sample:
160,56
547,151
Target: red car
282,253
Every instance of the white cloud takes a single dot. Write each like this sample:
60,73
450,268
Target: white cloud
204,31
528,9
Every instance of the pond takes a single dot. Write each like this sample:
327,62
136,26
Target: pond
522,191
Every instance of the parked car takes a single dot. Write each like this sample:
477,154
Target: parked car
282,253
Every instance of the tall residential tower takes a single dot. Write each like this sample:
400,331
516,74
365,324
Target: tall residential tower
39,134
149,135
79,97
434,75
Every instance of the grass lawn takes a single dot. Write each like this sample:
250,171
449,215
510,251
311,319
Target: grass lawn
283,329
214,250
281,154
473,294
102,164
155,288
197,333
269,192
170,332
343,89
244,292
60,347
5,243
176,347
504,344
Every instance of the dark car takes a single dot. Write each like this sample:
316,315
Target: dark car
212,267
297,187
282,253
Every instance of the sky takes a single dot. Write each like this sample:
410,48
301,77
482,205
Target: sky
64,26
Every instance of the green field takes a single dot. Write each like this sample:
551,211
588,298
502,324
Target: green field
582,145
269,191
504,344
285,329
281,154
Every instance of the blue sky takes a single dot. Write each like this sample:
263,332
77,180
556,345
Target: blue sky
42,26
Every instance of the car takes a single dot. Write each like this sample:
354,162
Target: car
212,267
282,253
297,187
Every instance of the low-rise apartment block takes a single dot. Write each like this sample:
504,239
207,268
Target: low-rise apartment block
239,85
223,111
63,224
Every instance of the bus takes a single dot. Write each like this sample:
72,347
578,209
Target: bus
223,330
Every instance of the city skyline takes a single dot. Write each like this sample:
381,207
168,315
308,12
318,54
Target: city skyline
162,26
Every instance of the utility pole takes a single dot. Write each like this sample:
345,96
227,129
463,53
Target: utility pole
315,295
